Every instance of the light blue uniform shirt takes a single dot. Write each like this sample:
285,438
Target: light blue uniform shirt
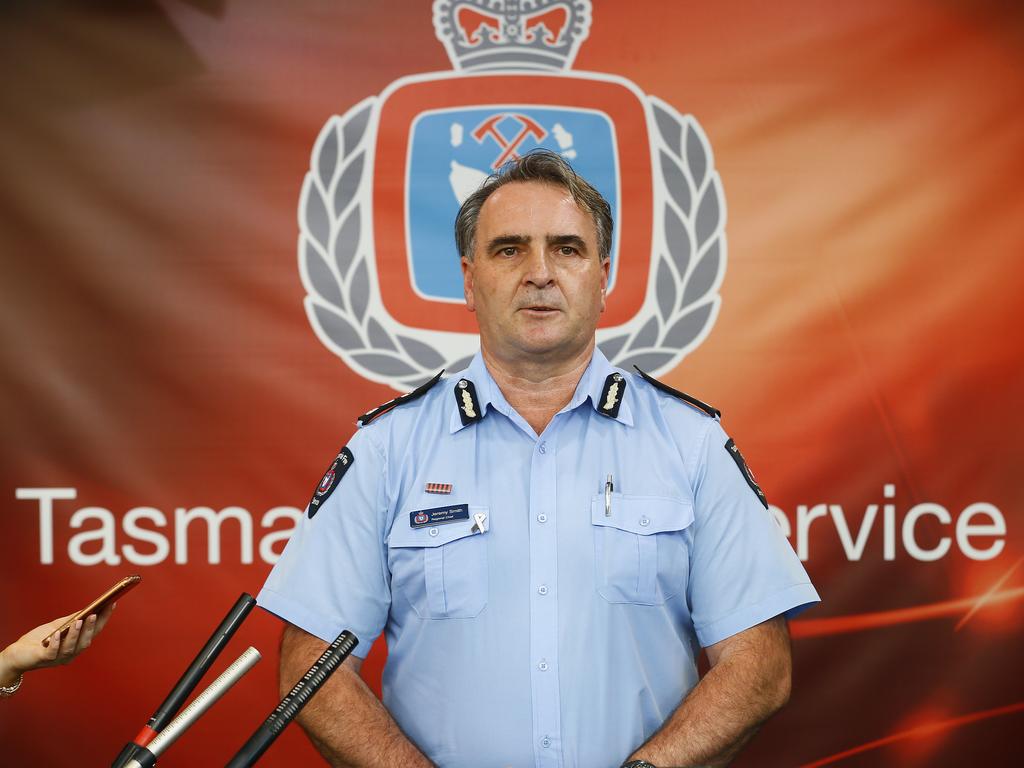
561,635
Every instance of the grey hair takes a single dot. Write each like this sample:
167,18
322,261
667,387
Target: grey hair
547,167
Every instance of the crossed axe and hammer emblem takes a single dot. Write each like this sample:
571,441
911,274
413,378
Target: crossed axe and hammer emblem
489,127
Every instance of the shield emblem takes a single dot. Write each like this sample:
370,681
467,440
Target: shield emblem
377,250
439,139
325,483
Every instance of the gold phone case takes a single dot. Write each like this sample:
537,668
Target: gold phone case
101,602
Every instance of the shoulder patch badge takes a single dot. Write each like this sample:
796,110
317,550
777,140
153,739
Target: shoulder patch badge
380,410
611,395
330,480
466,400
734,451
689,400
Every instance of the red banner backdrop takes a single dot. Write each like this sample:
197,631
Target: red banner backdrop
167,407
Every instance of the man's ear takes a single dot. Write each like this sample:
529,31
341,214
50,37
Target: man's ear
605,268
467,284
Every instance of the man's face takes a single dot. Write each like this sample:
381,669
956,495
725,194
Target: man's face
536,281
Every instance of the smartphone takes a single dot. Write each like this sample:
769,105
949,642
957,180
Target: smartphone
97,605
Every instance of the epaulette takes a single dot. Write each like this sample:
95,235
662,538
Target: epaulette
380,410
611,395
691,401
466,400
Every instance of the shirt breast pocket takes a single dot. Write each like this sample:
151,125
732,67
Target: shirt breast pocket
640,550
441,570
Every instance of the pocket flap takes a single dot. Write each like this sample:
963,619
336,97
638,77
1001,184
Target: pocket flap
643,515
403,535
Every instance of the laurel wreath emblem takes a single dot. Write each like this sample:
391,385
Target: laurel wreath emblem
339,272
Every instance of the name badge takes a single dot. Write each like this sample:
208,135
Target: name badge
421,518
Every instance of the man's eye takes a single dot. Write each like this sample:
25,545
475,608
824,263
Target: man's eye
510,250
567,250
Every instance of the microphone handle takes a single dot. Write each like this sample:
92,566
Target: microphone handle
295,700
188,681
202,662
195,710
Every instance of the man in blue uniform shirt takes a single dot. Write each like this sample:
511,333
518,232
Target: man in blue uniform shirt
546,541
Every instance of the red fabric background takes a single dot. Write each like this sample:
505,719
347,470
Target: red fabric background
155,351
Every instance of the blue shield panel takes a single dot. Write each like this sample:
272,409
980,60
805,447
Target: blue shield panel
451,151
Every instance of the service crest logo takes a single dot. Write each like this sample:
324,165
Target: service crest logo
376,250
325,483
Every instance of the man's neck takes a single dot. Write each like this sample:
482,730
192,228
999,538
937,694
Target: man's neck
538,390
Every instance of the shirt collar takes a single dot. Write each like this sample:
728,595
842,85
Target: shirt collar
591,384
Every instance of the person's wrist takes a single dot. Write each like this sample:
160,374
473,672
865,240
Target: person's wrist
638,764
8,672
10,675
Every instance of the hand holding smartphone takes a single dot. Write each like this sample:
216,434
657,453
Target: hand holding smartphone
97,605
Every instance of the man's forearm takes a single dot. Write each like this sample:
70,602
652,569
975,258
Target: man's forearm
747,685
345,720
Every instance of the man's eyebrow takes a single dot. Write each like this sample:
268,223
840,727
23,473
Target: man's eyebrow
574,240
503,240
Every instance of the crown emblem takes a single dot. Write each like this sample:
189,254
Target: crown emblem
512,34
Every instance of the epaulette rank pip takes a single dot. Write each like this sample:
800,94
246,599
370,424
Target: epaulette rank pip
380,410
693,402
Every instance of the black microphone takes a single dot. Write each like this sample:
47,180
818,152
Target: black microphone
296,699
184,687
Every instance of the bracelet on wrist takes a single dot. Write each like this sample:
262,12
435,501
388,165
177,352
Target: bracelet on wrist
10,690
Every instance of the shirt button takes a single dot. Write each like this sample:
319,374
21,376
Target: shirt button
543,447
543,666
542,589
545,742
644,521
542,518
433,531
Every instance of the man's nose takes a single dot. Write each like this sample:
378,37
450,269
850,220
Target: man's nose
538,269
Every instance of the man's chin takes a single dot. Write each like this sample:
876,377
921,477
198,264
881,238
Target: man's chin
549,347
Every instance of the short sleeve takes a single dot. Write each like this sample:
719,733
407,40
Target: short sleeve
743,571
332,573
